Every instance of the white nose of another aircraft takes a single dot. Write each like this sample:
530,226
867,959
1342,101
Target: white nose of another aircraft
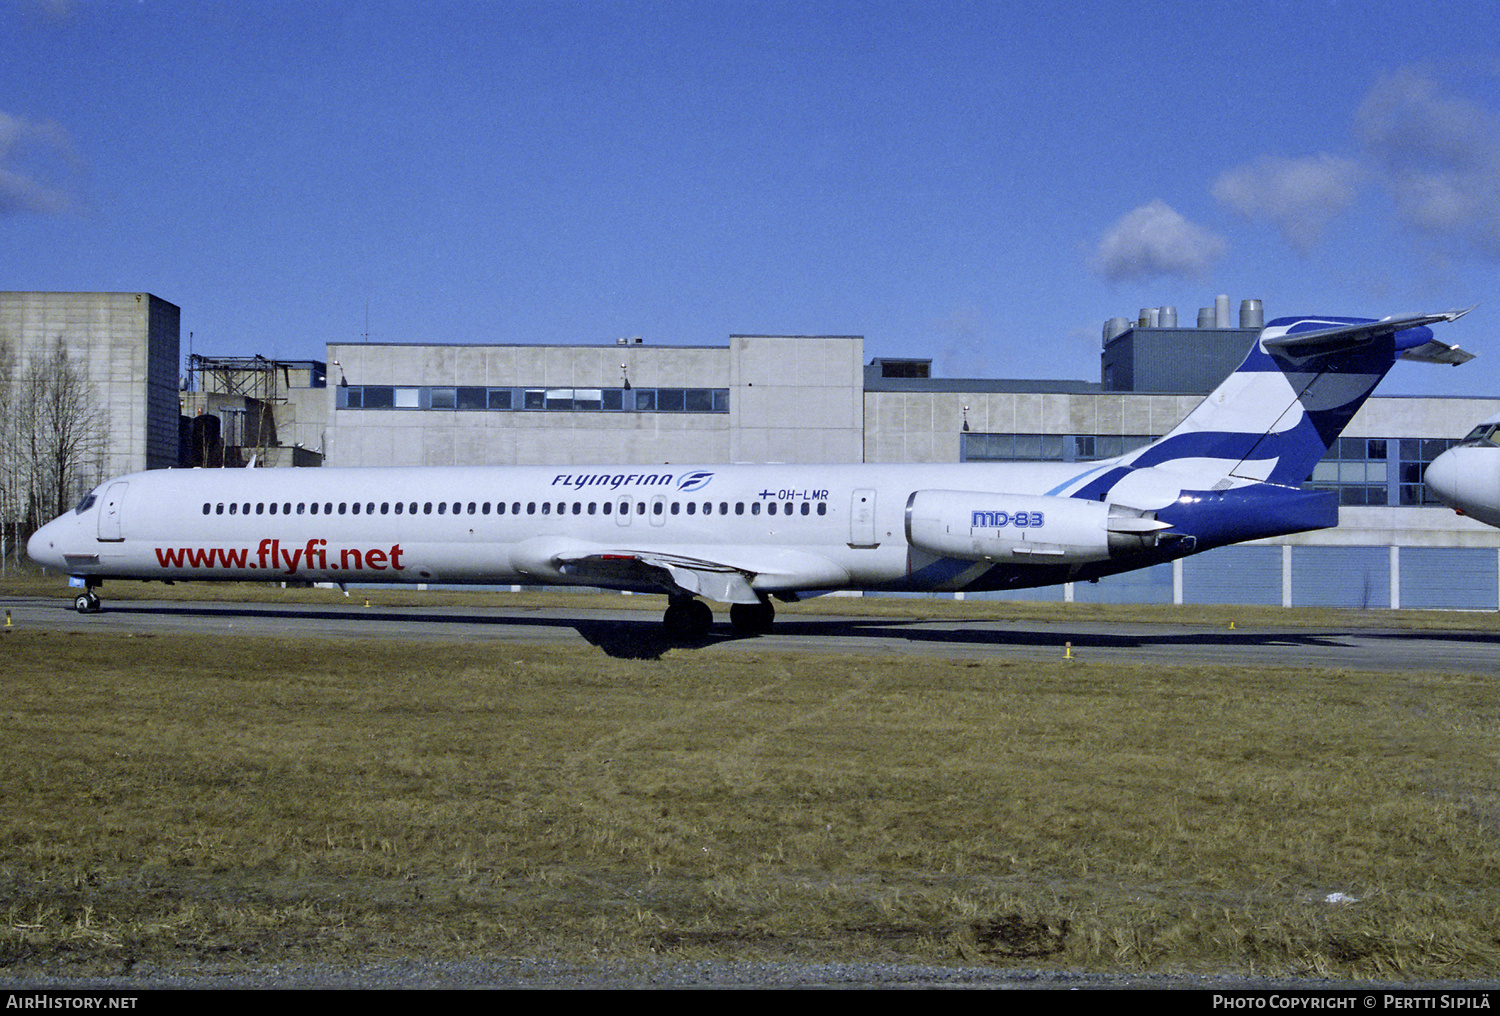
1467,479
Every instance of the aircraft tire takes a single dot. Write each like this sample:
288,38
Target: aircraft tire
688,619
752,618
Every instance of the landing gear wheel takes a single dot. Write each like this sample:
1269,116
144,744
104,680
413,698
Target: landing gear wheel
86,603
752,618
688,620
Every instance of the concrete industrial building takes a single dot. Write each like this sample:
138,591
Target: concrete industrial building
128,344
815,399
760,399
242,410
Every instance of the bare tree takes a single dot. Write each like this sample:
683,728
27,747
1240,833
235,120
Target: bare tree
12,487
69,433
53,434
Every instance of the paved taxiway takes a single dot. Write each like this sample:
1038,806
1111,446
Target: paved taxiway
637,634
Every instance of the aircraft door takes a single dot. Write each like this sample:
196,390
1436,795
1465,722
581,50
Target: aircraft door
862,518
623,508
109,513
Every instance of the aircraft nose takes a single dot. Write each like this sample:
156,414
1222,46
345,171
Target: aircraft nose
42,548
1467,479
1442,477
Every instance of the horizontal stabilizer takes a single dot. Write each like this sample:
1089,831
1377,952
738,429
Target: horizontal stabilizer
1438,352
1312,340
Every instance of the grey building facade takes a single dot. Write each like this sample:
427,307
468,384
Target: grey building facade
758,399
129,345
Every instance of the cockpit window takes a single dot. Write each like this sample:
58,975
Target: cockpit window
86,503
1484,435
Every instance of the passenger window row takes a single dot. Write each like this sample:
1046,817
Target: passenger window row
657,507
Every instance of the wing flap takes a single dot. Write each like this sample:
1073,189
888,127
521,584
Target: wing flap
720,578
669,572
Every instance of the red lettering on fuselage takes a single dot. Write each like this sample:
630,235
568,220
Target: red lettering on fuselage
272,556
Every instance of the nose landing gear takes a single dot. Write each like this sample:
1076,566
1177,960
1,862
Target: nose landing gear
87,602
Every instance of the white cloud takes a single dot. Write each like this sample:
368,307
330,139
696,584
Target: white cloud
1438,156
1299,196
1155,240
28,152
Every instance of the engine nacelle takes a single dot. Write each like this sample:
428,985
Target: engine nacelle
988,526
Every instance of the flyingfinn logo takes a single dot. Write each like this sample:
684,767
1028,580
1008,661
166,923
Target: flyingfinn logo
614,480
694,481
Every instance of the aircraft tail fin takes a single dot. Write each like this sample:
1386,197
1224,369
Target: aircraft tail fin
1274,418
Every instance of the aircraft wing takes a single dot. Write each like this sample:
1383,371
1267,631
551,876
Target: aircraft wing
671,572
1423,347
727,576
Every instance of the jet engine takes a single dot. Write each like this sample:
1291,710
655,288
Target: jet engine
989,526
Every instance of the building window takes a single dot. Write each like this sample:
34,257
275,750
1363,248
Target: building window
1372,471
1357,470
536,400
375,396
1048,447
1416,455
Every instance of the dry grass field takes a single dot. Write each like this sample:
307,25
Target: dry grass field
183,800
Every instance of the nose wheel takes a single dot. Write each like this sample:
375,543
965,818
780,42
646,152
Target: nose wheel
86,602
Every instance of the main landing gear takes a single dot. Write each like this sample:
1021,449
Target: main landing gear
689,619
752,618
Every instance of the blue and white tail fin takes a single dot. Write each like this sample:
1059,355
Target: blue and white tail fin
1274,418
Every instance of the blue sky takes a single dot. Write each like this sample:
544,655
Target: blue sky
980,183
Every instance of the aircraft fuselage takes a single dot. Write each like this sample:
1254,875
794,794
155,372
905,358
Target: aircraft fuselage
791,527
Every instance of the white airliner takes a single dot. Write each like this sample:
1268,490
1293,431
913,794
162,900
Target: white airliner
1466,477
742,534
